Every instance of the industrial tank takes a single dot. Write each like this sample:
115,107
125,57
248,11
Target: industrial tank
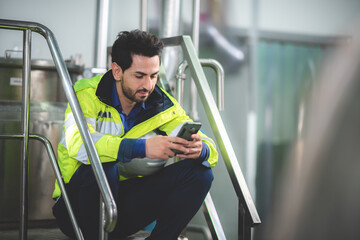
48,103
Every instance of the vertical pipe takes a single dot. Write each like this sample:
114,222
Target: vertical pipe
143,15
25,121
103,235
251,139
101,62
196,23
102,20
195,39
252,114
170,20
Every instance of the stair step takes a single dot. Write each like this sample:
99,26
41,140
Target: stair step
35,234
56,234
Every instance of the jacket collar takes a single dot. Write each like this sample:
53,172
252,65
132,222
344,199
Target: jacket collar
157,102
104,88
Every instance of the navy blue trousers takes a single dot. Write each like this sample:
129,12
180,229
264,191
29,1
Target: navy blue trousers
171,196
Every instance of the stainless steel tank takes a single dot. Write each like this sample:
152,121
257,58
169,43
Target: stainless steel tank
48,103
45,83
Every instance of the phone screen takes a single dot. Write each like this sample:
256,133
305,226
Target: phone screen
188,129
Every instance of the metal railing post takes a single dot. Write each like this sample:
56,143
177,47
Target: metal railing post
103,235
25,128
211,216
220,79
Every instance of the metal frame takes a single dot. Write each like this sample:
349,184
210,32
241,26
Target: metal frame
101,36
27,28
212,219
248,215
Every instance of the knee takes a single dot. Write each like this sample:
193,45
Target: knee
189,173
204,178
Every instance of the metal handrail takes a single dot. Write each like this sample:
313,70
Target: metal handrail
247,209
212,219
205,62
54,165
110,205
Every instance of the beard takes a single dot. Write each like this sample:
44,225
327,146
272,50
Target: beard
131,95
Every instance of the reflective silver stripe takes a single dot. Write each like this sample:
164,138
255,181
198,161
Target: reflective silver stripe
62,141
82,155
208,139
91,121
109,127
206,164
70,121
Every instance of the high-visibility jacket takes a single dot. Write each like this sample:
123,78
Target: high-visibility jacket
106,127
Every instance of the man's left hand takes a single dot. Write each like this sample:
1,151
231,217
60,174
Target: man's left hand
194,147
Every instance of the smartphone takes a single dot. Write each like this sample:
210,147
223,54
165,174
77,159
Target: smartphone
187,130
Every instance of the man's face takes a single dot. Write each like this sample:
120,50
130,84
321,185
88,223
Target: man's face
138,81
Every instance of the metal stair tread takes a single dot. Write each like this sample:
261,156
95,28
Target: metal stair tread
56,234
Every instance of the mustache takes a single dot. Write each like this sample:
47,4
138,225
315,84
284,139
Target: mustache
143,90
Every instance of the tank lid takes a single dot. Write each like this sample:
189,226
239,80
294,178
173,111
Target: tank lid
40,64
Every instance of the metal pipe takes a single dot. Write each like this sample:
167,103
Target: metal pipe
212,217
102,233
220,79
170,19
26,125
195,37
85,134
102,20
110,204
101,62
180,77
53,161
251,121
196,23
143,14
55,167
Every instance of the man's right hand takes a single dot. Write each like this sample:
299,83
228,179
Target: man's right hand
161,146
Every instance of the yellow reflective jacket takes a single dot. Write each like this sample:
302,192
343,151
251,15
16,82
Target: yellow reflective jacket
106,127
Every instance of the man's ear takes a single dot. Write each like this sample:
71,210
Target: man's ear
116,71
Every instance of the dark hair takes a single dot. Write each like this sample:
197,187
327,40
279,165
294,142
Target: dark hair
134,42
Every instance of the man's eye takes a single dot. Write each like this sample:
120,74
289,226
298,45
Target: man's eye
139,76
154,76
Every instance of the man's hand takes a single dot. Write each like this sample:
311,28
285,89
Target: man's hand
194,148
161,147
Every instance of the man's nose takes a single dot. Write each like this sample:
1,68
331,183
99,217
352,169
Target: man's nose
147,83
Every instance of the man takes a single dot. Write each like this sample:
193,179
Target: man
121,107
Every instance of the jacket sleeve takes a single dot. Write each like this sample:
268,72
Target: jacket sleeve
107,145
